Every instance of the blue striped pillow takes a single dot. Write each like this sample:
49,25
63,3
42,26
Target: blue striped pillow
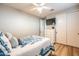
4,44
3,51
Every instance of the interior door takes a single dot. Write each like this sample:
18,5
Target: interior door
61,28
42,27
73,29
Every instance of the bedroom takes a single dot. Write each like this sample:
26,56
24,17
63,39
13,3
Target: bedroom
43,28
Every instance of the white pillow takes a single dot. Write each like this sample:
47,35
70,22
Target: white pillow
14,42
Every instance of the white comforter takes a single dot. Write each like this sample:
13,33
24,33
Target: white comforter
30,50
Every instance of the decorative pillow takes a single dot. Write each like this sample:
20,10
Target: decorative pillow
25,41
14,42
28,40
5,42
8,35
3,51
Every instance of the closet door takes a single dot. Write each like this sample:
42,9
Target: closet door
73,29
61,28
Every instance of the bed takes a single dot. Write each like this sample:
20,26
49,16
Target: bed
41,47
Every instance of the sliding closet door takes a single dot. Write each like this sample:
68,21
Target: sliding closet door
73,29
61,28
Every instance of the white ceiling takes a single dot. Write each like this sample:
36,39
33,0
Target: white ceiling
27,7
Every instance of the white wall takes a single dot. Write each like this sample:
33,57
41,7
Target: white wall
17,22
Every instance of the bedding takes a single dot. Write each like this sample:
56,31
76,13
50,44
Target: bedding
33,49
29,40
45,50
27,46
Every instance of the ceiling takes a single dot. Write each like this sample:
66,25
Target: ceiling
27,7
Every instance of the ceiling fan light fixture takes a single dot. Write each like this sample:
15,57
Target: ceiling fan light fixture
39,4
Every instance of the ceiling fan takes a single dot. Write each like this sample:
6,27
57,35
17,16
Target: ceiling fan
39,7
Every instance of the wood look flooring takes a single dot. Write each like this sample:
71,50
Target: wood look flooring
65,50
